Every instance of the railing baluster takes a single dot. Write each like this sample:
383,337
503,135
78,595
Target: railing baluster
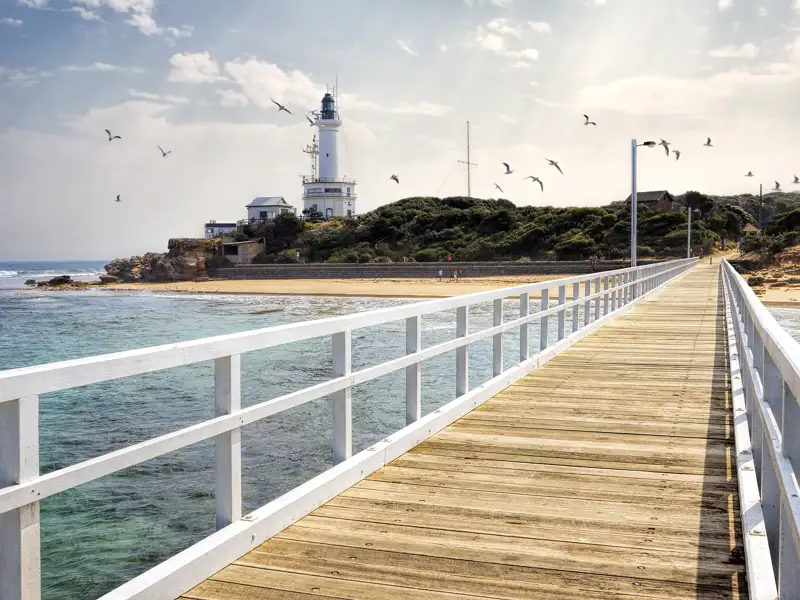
342,400
544,304
20,563
613,292
523,329
562,314
788,558
462,353
497,339
597,300
228,446
587,291
605,296
576,293
413,372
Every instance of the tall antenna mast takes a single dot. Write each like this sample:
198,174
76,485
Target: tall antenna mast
469,165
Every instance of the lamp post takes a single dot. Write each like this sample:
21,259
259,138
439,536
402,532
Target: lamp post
689,233
634,212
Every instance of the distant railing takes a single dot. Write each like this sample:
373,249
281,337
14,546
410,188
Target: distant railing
604,295
765,382
345,180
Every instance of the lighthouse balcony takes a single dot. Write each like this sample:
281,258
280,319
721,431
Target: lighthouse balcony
330,193
345,180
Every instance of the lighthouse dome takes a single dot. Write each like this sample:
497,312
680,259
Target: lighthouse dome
328,107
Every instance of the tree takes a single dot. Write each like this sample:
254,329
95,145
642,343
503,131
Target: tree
313,215
287,228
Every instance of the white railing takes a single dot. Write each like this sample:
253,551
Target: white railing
614,292
765,382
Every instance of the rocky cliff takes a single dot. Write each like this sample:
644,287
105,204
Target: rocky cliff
185,260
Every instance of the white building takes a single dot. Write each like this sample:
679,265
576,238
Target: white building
267,208
214,229
326,190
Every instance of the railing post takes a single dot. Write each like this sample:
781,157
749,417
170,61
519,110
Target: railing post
462,353
342,400
497,339
576,293
605,296
587,291
544,304
228,446
621,290
597,300
20,563
788,558
523,329
413,372
562,314
613,293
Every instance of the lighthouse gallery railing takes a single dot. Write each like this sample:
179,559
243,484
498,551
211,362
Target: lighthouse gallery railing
605,295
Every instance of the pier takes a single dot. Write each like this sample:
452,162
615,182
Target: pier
645,453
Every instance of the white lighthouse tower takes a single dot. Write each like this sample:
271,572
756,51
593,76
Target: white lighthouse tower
325,190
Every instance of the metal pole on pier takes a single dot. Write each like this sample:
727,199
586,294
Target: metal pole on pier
469,166
689,233
634,224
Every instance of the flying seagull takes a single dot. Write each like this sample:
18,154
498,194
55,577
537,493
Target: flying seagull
281,107
509,170
677,154
164,154
777,187
796,179
118,198
664,143
112,137
588,122
395,178
310,121
499,188
749,174
708,143
554,164
536,180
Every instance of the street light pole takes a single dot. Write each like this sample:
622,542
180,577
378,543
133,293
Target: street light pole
689,234
634,215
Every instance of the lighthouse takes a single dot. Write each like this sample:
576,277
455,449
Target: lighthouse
326,191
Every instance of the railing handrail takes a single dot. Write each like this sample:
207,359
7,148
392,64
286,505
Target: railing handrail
765,375
21,388
62,375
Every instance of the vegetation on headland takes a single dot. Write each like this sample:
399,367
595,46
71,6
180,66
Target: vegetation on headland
471,229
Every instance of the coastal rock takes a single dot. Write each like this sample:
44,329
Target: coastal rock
62,282
30,282
185,260
109,278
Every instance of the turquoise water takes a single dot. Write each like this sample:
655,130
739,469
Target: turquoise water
104,533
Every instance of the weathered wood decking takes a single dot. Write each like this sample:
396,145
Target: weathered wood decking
608,473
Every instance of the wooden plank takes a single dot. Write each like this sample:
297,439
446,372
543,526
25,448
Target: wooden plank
607,473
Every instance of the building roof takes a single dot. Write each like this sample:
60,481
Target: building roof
216,224
268,201
750,228
650,196
258,241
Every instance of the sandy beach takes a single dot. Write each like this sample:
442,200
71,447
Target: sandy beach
383,288
786,297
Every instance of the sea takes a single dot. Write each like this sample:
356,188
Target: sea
103,533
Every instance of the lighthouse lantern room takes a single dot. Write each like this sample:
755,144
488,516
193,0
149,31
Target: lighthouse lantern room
325,191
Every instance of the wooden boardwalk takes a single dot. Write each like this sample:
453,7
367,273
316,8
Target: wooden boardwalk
606,474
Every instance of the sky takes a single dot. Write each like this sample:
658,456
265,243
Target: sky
196,77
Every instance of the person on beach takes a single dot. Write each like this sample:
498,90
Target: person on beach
440,274
451,274
459,272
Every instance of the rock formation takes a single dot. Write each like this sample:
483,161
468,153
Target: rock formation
185,260
62,282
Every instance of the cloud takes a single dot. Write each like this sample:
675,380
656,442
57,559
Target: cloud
133,93
40,4
22,77
599,2
743,51
86,15
724,4
491,38
506,118
193,67
443,47
260,80
140,16
762,11
11,22
501,3
540,27
406,48
232,98
99,66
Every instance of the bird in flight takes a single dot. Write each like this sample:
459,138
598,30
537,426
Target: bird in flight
310,122
163,153
777,187
708,143
664,143
395,178
112,137
588,122
749,174
536,180
499,188
554,164
281,107
509,170
677,154
796,179
118,198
